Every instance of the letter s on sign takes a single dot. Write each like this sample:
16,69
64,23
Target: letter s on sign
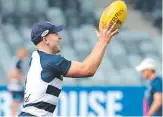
113,106
94,98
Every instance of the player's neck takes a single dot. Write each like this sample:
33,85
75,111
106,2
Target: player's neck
152,76
44,49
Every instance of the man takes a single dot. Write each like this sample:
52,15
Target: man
15,80
44,78
148,69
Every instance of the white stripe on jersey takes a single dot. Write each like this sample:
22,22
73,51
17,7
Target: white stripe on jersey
37,112
56,83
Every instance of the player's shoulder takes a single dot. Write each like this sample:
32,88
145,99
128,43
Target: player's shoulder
48,59
157,80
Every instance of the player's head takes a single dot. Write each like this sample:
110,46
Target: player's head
22,53
46,35
147,67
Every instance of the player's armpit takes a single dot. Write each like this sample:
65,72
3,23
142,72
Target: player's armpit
78,70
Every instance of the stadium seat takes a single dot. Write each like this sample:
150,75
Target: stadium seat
77,34
6,58
119,61
8,6
55,3
55,15
68,4
24,6
81,46
147,46
130,77
80,17
134,60
13,39
26,33
91,37
113,77
3,81
106,64
86,5
65,38
30,47
40,6
69,53
116,48
98,78
98,13
158,44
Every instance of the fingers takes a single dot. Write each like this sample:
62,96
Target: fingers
108,25
112,27
97,32
103,25
115,32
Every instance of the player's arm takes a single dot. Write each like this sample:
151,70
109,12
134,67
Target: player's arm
157,98
15,72
157,102
90,65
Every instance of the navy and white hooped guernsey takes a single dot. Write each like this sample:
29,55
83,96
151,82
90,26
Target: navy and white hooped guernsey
44,83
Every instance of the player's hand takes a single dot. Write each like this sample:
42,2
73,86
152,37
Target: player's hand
105,34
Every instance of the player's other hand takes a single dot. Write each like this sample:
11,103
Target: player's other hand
105,34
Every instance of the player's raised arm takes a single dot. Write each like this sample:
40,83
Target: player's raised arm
90,65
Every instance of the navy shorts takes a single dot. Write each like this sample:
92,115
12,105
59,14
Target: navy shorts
24,114
17,95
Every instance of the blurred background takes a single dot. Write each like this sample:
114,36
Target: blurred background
140,37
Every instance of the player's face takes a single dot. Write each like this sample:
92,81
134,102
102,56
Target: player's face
53,42
146,73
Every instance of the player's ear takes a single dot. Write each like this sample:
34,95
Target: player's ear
45,39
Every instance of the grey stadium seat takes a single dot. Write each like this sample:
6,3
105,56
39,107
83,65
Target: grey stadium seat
40,5
147,46
24,6
6,58
65,38
129,76
69,53
26,33
134,60
55,15
116,48
8,6
113,77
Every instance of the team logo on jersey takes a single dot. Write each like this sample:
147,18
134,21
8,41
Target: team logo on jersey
49,22
44,33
